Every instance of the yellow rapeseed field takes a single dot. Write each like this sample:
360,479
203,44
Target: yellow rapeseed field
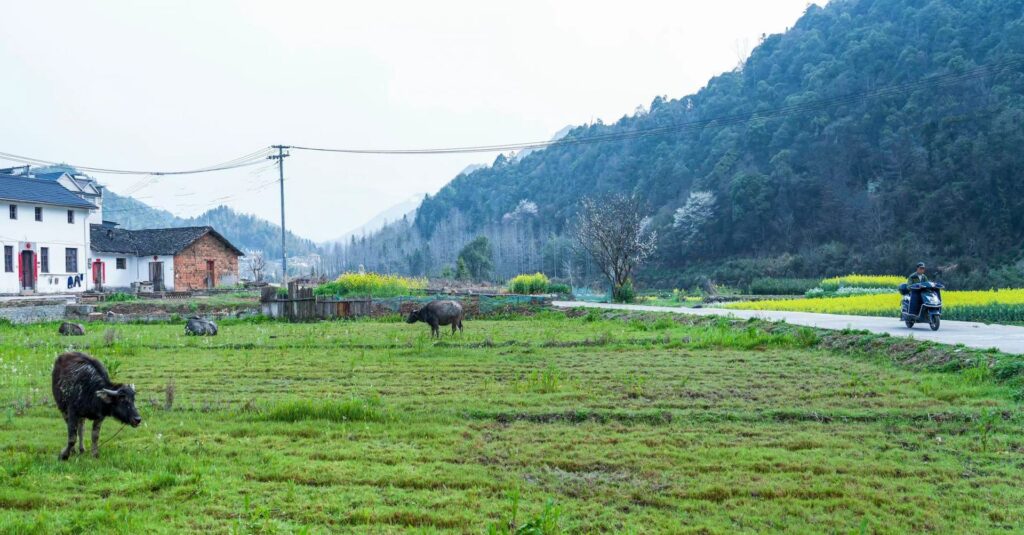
862,281
989,305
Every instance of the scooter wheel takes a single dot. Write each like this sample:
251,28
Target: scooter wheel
910,324
933,322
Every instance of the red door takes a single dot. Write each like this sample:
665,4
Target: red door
99,274
28,270
211,277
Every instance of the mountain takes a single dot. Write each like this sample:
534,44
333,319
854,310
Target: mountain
405,208
248,232
870,135
526,152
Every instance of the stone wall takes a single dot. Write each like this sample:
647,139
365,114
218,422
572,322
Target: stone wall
34,311
190,264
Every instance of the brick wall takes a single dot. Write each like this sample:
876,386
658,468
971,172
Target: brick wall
190,264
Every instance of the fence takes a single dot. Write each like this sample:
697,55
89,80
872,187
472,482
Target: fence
302,305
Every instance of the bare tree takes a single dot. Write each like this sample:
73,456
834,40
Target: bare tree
614,231
256,265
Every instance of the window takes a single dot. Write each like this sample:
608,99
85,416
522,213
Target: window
39,213
13,211
44,259
9,258
71,260
71,216
121,263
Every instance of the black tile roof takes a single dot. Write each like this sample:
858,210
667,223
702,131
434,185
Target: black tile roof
147,242
35,190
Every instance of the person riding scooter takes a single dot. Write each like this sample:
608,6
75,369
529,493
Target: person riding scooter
922,300
918,276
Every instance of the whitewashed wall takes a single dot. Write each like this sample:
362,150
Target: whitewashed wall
53,232
136,270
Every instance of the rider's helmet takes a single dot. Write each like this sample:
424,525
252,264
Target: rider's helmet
920,264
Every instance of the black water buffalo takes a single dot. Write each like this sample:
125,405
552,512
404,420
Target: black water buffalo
71,329
437,313
197,326
82,389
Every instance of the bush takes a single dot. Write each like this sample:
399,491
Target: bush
372,285
559,288
624,293
529,284
781,286
121,297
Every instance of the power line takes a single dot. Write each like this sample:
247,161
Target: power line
250,159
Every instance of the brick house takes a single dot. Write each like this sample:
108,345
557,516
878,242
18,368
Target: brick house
178,259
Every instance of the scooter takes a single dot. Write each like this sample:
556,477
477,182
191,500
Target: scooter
921,302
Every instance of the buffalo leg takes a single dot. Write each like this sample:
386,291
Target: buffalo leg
460,326
81,435
455,325
435,329
96,437
72,435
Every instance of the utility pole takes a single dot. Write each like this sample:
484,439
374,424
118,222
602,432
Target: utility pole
280,156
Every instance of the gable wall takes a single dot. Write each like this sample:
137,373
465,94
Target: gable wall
190,264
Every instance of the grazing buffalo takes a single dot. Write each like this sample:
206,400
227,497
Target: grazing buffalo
82,389
197,326
71,329
437,313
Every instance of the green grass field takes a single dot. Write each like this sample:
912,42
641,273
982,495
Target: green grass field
551,424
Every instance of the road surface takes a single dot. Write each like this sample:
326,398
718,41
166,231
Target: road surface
977,335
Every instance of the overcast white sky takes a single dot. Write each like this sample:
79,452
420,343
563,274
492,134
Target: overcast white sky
182,84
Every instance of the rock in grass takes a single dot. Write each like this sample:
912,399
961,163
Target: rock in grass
197,326
71,329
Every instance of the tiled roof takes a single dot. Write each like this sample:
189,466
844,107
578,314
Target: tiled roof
146,242
34,190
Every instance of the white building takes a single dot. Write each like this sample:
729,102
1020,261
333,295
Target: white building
45,218
54,240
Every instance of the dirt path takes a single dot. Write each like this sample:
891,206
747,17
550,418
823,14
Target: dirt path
977,335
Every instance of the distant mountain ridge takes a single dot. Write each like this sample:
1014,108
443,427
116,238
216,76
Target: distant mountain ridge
406,208
246,231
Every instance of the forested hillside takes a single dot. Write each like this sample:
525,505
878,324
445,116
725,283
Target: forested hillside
870,135
248,232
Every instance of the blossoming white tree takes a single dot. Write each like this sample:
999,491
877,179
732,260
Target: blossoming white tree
614,231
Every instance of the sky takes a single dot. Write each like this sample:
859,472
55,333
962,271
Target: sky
165,85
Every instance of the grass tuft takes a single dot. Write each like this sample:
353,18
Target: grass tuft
349,410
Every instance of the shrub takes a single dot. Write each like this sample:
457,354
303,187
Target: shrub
529,284
121,297
624,293
559,288
371,284
774,286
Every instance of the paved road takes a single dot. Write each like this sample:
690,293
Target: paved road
978,335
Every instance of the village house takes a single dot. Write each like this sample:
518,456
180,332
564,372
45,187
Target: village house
185,258
55,240
44,229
